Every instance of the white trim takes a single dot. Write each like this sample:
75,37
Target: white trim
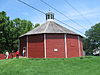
45,45
79,46
46,28
50,20
27,45
65,46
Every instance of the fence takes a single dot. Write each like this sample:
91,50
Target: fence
2,56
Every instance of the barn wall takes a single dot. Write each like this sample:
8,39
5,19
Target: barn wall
36,46
72,46
81,47
23,43
55,41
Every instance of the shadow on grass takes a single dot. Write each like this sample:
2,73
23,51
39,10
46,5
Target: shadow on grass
88,57
47,59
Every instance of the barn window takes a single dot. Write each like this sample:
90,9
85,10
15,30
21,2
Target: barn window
48,16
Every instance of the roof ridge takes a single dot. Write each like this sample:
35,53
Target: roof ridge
64,28
46,26
59,27
53,27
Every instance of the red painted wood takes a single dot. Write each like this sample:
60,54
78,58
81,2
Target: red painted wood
55,41
36,46
72,46
23,43
81,46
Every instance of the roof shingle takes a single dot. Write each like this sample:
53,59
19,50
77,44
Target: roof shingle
49,27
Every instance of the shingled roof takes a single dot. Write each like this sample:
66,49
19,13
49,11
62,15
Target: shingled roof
49,27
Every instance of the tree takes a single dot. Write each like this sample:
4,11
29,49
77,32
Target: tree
36,25
93,38
10,30
22,26
4,20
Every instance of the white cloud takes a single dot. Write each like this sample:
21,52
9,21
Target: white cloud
93,13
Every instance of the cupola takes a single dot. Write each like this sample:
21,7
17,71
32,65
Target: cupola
50,16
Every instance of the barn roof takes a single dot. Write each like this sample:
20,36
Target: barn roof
49,27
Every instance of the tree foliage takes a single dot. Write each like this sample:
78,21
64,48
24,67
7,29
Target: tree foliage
10,30
36,25
93,38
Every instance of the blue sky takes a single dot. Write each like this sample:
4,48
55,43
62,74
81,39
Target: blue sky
89,8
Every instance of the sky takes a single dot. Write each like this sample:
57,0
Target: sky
90,9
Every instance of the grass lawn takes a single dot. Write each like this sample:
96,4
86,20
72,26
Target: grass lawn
60,66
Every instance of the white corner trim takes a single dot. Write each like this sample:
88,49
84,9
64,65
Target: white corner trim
45,45
27,45
79,46
65,46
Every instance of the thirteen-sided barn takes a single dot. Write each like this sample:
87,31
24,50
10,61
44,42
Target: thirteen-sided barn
51,40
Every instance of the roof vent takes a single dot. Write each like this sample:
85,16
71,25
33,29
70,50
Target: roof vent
50,16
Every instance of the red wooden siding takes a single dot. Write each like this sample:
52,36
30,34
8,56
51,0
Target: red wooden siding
72,46
36,46
81,47
23,43
55,41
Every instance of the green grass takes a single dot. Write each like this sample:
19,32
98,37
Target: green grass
61,66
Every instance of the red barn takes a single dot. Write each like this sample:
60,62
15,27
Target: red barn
51,40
